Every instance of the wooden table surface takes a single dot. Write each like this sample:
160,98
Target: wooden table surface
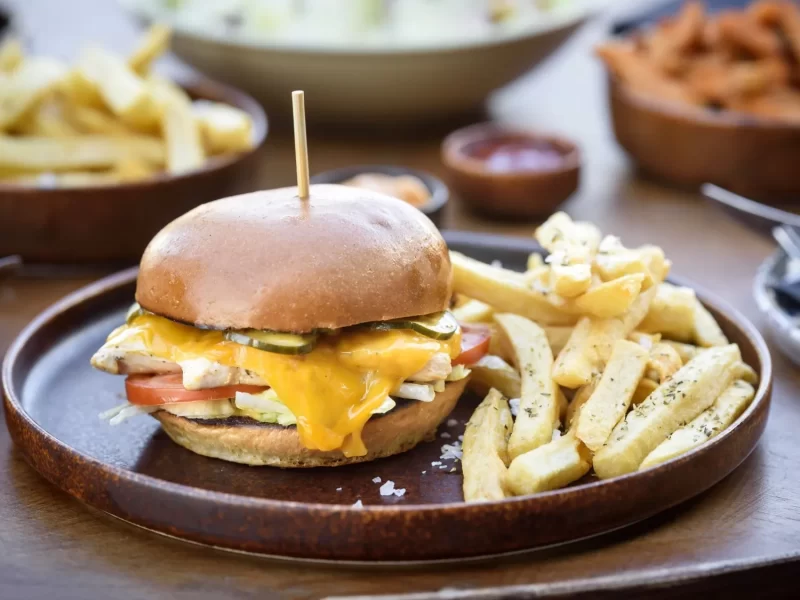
52,547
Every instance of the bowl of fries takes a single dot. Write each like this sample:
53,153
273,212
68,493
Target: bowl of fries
98,155
599,369
712,97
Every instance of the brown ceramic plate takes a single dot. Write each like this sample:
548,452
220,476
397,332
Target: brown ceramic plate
133,471
113,224
748,155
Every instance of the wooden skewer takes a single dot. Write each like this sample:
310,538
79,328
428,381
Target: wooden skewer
300,145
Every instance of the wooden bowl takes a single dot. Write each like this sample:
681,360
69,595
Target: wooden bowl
509,194
113,224
433,209
751,156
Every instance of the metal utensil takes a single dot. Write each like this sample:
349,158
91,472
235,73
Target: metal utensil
755,214
789,239
9,264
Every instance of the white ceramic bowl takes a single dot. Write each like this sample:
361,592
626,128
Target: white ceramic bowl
368,84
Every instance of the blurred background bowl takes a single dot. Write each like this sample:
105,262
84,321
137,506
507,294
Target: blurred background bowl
685,146
114,223
525,187
372,84
439,192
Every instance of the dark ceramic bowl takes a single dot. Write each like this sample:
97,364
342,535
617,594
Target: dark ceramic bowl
751,156
113,224
440,194
518,192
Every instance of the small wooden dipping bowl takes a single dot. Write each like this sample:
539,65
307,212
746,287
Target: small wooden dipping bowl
687,146
510,173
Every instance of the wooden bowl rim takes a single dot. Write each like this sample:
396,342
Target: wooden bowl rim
198,86
719,120
128,276
454,157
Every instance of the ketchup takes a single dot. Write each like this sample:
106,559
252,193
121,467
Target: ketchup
517,154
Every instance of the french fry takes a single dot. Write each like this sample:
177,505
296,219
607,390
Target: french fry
591,342
687,394
493,372
89,119
485,454
580,398
539,406
62,180
686,351
645,340
741,32
611,298
612,396
46,120
725,410
80,91
643,390
745,372
707,331
11,55
125,93
557,337
672,313
790,24
181,131
663,363
26,86
572,246
505,290
133,169
224,128
78,153
535,261
152,45
549,467
473,311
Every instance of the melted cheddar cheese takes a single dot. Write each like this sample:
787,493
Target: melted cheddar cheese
332,390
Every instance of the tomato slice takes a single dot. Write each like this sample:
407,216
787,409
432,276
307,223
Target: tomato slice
474,343
167,389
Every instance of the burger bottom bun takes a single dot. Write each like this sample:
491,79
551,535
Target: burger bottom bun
274,445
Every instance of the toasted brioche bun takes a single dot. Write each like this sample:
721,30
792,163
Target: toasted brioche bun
269,260
397,431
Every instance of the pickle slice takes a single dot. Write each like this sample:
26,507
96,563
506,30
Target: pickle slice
273,341
439,326
134,311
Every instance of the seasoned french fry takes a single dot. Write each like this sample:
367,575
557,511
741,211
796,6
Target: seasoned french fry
224,128
664,362
535,261
572,246
645,340
613,261
539,406
612,396
672,313
152,45
686,351
612,298
741,32
505,290
725,410
591,341
688,393
493,372
745,372
557,337
11,55
181,131
26,86
126,94
72,154
643,390
582,395
707,331
549,467
473,311
485,454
